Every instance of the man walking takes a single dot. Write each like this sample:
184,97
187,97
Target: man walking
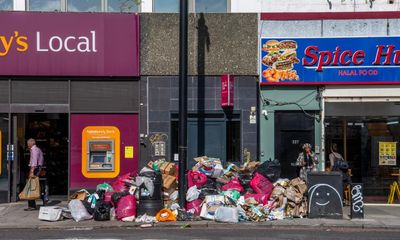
35,164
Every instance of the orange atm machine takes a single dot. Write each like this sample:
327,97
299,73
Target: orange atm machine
100,152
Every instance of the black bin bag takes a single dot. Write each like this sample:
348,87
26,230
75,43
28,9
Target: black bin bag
102,211
270,169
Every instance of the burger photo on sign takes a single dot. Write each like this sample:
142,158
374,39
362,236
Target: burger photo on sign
280,59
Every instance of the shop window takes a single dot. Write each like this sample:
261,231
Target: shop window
6,5
123,6
166,6
211,6
44,5
84,5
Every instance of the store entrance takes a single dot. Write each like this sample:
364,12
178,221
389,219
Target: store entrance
50,131
369,143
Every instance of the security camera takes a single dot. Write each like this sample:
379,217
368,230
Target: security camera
265,113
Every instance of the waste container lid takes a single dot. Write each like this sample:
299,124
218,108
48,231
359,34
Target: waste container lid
323,173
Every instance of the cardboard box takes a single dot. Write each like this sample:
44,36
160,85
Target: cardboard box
168,168
51,214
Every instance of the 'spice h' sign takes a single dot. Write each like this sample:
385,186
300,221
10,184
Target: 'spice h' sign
362,60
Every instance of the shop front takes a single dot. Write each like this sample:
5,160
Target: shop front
356,102
58,85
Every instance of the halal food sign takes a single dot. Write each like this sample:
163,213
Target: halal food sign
366,60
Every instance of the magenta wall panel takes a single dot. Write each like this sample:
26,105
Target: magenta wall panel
128,125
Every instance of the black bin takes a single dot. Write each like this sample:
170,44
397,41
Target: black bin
325,195
150,205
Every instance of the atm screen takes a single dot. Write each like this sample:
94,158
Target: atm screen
98,159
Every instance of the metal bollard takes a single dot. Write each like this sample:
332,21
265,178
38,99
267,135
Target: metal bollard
357,201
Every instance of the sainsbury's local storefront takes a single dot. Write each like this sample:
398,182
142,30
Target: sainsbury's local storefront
70,81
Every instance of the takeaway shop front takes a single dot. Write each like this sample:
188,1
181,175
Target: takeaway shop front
70,81
327,91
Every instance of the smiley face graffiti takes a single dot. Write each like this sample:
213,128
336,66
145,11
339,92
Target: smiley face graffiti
324,199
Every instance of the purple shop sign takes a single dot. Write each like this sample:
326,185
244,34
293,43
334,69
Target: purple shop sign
69,44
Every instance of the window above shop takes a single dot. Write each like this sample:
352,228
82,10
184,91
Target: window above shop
211,6
205,6
77,5
123,5
166,6
44,5
6,5
84,5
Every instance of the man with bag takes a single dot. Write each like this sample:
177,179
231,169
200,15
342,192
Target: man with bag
35,164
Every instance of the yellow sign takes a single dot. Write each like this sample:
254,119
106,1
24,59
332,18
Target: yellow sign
129,151
387,153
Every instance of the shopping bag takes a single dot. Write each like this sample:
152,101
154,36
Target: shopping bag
31,190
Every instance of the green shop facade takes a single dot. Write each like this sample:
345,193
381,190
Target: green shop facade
327,90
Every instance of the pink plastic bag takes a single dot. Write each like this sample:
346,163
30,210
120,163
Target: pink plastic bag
196,205
196,178
261,185
260,198
126,207
119,185
233,184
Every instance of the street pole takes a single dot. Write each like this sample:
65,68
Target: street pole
182,146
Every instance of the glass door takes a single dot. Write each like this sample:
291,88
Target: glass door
4,167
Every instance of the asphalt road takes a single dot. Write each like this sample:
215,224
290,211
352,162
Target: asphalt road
200,234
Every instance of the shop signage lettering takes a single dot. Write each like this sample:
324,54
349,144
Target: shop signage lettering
69,44
54,43
363,60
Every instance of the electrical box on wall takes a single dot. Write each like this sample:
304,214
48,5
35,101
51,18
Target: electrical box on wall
100,152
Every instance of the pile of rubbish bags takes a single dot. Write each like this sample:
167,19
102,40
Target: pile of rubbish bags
251,192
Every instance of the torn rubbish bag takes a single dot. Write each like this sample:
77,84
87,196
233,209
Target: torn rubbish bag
78,211
165,215
233,184
261,184
260,198
90,201
196,178
126,207
192,194
194,206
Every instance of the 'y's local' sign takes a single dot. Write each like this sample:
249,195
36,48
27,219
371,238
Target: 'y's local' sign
69,44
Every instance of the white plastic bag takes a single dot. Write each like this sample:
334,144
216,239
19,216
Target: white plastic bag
227,214
192,194
78,211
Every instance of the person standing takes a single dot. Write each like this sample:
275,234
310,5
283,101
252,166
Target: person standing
36,162
338,164
307,160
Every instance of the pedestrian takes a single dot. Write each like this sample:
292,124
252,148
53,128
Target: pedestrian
307,160
339,164
36,162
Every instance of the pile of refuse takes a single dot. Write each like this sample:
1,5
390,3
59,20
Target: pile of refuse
251,192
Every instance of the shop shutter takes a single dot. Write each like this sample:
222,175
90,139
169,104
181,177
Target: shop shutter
39,92
3,91
96,96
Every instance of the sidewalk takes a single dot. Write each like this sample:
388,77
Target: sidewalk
12,215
